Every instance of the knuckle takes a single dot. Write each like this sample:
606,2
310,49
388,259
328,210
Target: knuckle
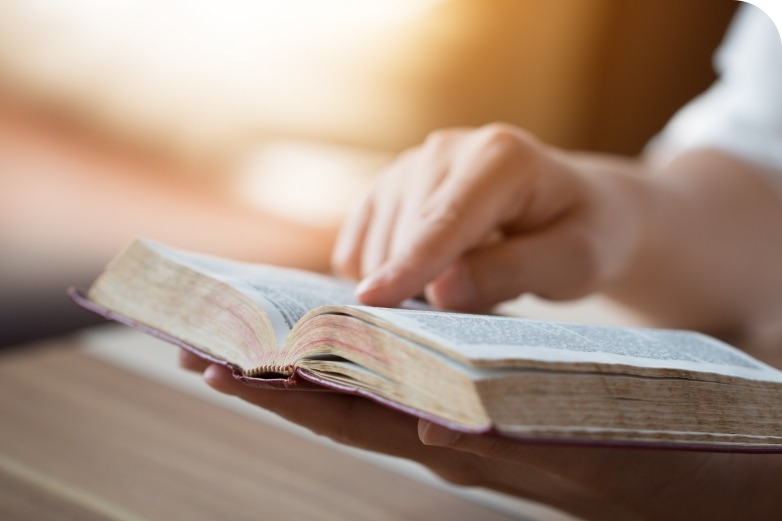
505,137
514,155
439,139
498,130
441,215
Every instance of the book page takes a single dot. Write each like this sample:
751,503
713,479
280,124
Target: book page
486,340
285,294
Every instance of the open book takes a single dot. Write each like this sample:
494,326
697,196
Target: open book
520,378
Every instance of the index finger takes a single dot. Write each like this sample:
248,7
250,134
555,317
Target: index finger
482,191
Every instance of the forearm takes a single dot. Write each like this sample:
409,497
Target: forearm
710,248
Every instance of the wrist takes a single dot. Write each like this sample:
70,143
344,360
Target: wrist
624,201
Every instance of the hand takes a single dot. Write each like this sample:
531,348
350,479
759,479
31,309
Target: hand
592,483
475,217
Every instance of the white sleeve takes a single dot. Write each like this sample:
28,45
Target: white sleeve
742,112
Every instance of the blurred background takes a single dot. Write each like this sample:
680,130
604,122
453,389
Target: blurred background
246,128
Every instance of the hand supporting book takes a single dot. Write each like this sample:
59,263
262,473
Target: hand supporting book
591,482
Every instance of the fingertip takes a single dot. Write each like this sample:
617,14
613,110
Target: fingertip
211,375
191,361
219,378
435,435
369,287
377,298
379,288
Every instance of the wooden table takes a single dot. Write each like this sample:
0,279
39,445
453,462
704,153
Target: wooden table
82,438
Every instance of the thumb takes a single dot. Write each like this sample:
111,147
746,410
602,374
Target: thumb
540,454
432,434
562,262
435,435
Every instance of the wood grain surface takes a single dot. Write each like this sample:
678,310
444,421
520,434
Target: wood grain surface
83,439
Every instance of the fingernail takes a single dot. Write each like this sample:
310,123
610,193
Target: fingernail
214,378
432,434
378,278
